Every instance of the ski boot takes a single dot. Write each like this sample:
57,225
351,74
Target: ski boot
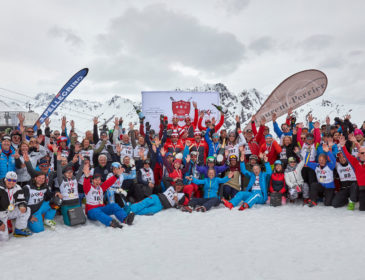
115,224
129,219
244,206
187,208
351,206
50,223
22,232
227,203
311,203
201,209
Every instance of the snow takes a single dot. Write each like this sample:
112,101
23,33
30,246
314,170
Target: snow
287,242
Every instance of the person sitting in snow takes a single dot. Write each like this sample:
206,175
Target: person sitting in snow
13,206
211,188
95,208
256,191
153,204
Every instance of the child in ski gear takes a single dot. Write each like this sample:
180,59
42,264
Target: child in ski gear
13,206
157,202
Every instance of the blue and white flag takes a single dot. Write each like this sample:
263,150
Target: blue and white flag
63,93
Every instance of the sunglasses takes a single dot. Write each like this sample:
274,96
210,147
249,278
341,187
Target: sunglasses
44,165
30,131
216,137
362,153
249,131
11,180
56,134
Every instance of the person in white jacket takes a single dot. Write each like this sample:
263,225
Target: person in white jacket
36,152
294,180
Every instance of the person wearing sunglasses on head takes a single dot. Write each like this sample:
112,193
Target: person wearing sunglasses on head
13,206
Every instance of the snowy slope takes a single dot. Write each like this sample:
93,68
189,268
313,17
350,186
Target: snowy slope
287,242
245,104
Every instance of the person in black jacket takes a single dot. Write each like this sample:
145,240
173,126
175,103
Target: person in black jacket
13,206
38,195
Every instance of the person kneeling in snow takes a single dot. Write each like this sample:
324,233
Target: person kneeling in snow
211,187
95,208
13,206
157,202
256,191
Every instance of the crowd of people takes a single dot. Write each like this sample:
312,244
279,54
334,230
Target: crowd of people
112,175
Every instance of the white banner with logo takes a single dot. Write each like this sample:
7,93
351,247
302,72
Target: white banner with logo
180,103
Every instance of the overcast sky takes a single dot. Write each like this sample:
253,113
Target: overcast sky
133,46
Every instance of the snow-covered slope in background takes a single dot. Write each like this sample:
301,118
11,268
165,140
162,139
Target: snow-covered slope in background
245,104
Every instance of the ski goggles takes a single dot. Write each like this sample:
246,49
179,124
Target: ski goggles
11,180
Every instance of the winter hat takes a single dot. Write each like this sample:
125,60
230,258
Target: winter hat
210,159
6,137
291,159
268,135
11,175
215,135
278,162
254,157
187,117
179,182
177,161
116,165
197,132
97,175
61,139
358,132
15,132
43,161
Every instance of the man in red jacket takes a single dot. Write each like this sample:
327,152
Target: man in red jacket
358,164
271,148
95,208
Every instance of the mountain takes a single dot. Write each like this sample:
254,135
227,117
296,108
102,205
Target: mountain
245,104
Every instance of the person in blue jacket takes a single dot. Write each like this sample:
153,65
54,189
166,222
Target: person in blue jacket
214,145
211,187
324,173
256,191
7,160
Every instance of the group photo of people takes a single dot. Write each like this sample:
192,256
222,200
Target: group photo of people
112,175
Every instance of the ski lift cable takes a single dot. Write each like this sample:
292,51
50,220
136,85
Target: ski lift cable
22,94
21,101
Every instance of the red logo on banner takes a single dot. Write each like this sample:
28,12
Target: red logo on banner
181,108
